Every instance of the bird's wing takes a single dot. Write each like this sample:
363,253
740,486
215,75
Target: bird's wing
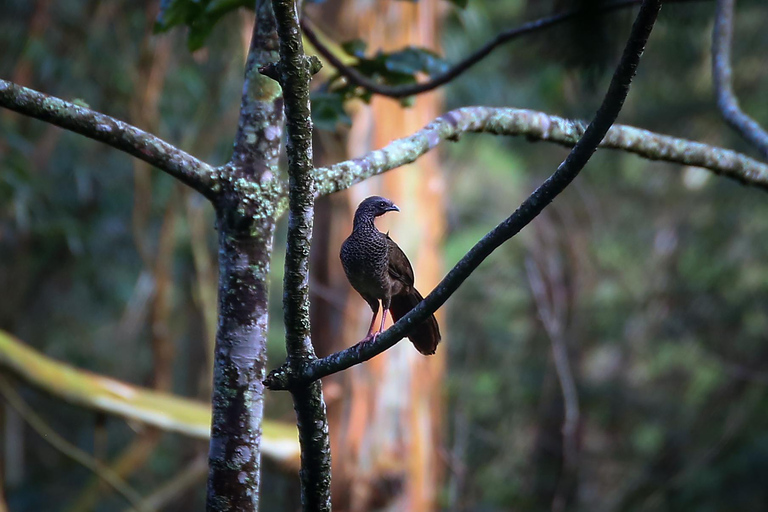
399,266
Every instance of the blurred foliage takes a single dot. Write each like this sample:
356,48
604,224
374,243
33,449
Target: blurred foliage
401,67
666,283
665,268
199,16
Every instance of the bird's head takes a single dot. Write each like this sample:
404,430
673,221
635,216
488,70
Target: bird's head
377,205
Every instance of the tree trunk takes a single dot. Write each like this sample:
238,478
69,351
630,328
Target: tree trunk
384,445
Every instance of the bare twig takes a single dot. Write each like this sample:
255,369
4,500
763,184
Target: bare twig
357,78
191,475
538,126
103,128
552,309
294,72
287,377
722,38
39,425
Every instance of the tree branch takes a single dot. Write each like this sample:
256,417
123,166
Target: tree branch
295,71
722,37
103,394
402,91
289,377
118,134
538,126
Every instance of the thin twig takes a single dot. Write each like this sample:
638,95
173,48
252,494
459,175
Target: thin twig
402,91
553,312
294,72
722,37
192,475
287,377
39,425
118,134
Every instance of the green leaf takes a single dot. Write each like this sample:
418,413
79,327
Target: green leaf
413,59
461,4
200,16
355,48
328,111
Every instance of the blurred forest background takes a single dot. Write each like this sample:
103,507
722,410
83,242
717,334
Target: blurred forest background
653,276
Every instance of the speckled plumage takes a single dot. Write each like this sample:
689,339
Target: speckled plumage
379,271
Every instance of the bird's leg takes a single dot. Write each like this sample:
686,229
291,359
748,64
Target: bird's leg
383,318
373,322
385,304
374,303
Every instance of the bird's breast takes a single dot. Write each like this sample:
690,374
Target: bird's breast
365,261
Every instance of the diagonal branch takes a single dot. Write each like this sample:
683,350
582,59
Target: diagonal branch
294,73
287,377
538,126
402,91
118,134
45,431
722,37
105,395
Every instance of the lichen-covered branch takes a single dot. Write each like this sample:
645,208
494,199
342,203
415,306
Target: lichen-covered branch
287,377
538,126
118,134
294,72
722,38
403,91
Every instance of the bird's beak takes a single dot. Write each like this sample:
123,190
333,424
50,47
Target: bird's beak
393,208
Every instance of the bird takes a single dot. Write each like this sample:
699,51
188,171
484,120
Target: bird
380,272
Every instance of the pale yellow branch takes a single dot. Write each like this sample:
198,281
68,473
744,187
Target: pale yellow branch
162,410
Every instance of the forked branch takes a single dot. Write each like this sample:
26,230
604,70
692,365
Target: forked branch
286,377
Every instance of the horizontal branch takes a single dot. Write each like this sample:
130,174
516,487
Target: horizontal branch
167,412
538,126
403,91
289,377
118,134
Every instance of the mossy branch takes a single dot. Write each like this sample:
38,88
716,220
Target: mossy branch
538,126
294,72
113,132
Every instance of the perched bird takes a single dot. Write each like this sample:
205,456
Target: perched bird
379,271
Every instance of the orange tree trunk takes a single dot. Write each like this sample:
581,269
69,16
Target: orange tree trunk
385,414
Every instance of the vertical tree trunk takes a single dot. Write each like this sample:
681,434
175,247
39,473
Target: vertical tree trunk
239,365
384,414
245,220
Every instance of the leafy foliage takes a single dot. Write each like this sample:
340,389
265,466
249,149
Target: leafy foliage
401,67
199,16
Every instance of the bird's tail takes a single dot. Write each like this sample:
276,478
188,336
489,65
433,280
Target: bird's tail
424,336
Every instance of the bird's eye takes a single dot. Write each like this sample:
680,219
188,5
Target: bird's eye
382,204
